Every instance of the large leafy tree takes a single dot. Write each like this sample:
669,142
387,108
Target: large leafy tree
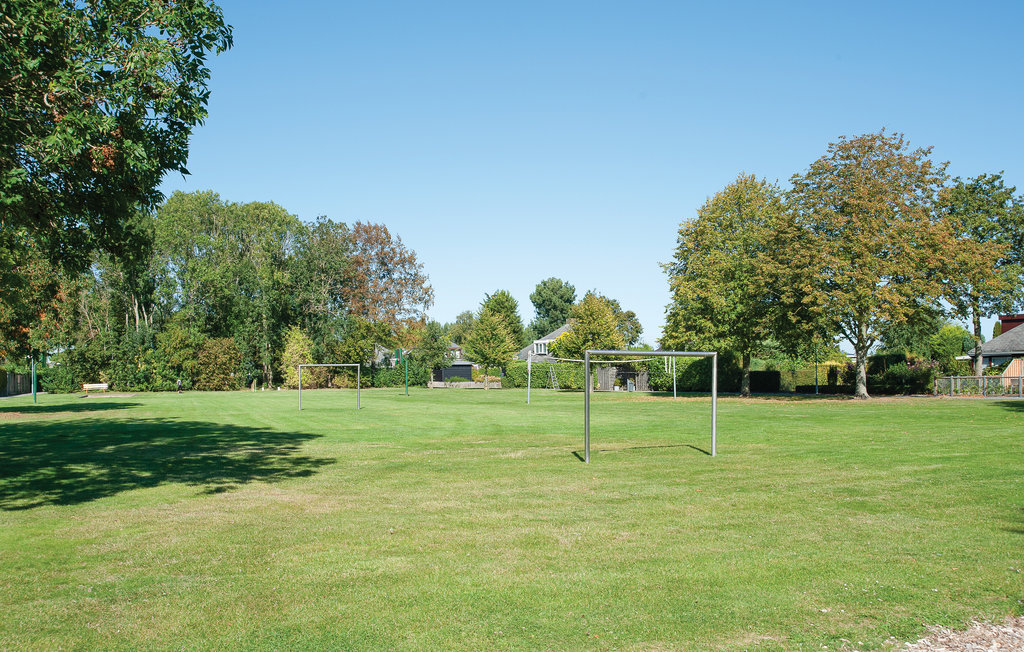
626,321
459,330
552,299
987,276
97,102
866,238
386,282
491,344
592,325
503,304
721,279
320,268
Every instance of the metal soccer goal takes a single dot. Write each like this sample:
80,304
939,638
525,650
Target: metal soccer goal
667,354
347,364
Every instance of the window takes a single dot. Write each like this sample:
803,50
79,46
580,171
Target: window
540,348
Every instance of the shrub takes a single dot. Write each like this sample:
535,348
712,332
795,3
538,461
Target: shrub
694,374
219,365
902,378
568,374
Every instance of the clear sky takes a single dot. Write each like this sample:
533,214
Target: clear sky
510,142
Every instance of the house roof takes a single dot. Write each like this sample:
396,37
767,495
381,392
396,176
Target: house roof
1009,343
524,353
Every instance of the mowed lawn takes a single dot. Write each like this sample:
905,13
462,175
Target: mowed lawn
462,519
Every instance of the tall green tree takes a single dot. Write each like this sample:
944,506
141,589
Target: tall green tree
320,268
460,329
433,348
865,235
987,276
722,288
592,325
503,304
626,321
491,344
98,101
552,299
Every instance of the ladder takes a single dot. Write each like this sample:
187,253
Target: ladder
552,377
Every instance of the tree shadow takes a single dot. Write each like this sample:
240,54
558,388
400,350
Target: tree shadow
1014,405
87,406
57,463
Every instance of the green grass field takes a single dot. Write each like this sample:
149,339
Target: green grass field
464,520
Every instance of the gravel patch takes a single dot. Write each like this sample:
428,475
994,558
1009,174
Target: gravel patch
980,637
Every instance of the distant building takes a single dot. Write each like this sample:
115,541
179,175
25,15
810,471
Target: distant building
1006,347
539,347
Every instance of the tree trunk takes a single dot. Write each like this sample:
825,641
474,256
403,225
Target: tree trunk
860,349
979,363
745,380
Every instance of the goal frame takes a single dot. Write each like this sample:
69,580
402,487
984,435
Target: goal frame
346,364
664,354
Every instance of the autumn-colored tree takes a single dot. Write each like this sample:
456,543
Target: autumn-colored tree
490,344
298,350
865,237
720,278
505,305
987,275
592,325
386,283
219,365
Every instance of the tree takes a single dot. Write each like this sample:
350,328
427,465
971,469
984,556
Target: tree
505,306
490,344
552,299
463,325
913,334
626,321
320,268
988,268
592,325
722,292
434,349
387,283
297,350
99,100
866,236
219,365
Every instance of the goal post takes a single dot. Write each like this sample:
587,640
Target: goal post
347,364
666,354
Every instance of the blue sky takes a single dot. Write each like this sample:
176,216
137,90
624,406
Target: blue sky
510,142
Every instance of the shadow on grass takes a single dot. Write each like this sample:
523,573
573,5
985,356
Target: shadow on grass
1014,405
580,457
83,406
54,463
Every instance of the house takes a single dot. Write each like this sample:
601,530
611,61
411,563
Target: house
539,347
1006,347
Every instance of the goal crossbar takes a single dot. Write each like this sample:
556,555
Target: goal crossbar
665,354
346,364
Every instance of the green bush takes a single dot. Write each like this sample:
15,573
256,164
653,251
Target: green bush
418,375
901,378
220,362
568,374
694,374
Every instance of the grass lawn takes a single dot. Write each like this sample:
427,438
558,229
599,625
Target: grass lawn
463,520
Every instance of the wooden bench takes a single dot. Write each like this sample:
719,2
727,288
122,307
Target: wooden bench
94,387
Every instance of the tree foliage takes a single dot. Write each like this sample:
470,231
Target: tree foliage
987,275
503,304
721,276
386,284
592,325
98,101
866,238
491,344
552,299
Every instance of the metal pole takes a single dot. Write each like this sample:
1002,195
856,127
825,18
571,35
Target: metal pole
586,406
714,404
406,361
529,375
673,379
300,387
359,382
33,380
